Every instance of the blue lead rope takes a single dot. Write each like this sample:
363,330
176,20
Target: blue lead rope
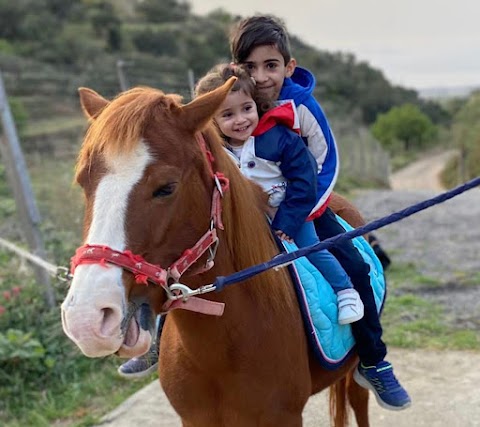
245,274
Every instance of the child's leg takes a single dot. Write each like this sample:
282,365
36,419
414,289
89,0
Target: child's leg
350,306
323,260
367,331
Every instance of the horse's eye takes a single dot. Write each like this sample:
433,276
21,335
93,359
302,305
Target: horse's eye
164,190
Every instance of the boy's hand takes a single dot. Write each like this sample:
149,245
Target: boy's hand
283,236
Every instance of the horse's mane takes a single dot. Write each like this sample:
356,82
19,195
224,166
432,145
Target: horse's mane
122,122
246,229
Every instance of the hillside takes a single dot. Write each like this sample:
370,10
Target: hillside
159,42
107,45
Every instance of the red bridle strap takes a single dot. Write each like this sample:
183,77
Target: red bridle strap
141,269
221,183
190,256
103,255
145,272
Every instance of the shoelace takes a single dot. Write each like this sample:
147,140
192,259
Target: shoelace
388,381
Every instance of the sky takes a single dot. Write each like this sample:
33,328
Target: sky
417,44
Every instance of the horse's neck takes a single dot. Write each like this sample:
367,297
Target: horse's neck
253,310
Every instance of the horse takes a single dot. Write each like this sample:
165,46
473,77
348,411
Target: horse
164,203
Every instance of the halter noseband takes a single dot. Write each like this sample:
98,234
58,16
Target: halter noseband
179,295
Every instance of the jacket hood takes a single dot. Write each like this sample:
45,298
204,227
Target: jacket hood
298,87
284,114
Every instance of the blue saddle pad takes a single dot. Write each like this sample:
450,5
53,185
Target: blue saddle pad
331,342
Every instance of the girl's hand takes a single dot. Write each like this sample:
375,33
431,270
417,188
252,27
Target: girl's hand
283,236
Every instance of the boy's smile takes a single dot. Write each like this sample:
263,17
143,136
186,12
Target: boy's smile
267,66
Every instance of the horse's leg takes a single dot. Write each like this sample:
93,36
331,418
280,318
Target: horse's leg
284,419
358,399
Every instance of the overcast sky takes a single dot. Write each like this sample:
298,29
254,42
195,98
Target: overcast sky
416,43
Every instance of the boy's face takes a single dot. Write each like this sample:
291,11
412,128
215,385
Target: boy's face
267,66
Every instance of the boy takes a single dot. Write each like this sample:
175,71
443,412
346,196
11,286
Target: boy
261,45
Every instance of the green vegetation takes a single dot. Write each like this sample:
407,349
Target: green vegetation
413,321
466,137
43,376
403,127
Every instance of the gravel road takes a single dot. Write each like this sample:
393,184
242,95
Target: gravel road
444,243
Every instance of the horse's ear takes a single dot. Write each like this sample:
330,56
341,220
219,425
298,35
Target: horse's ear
92,103
197,113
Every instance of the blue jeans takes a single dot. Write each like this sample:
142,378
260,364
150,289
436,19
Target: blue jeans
367,331
323,260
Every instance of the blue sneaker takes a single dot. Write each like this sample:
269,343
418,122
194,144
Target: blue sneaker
382,382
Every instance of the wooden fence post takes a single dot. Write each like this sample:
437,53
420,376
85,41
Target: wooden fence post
17,175
122,77
191,82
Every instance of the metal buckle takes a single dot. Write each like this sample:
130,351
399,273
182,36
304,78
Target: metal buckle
181,291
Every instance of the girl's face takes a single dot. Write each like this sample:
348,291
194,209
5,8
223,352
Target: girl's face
237,117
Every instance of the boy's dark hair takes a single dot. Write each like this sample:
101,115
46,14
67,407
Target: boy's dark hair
259,30
219,75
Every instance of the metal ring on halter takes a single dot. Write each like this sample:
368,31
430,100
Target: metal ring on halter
63,274
218,184
212,251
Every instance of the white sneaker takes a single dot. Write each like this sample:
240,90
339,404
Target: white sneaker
350,306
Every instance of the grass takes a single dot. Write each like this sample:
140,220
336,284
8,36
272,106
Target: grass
412,321
80,403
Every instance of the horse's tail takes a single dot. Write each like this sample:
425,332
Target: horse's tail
338,403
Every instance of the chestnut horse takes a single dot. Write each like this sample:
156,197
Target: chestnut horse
158,183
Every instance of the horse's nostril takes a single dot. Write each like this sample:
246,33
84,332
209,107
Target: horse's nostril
109,322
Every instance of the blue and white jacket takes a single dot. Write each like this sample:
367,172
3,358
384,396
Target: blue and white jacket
315,131
277,159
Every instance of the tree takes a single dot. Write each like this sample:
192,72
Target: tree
406,125
163,10
466,134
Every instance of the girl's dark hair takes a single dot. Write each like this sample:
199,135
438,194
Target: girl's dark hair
219,75
259,30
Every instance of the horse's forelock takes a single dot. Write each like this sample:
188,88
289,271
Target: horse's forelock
121,125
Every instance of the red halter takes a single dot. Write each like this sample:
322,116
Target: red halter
145,272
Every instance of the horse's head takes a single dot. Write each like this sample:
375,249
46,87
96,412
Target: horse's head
142,170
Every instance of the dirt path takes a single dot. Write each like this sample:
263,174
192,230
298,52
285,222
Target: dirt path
444,387
422,174
443,242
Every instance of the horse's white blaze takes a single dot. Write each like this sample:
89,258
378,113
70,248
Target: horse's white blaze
95,305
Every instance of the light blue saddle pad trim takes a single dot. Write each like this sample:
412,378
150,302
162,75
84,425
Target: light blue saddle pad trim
331,342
